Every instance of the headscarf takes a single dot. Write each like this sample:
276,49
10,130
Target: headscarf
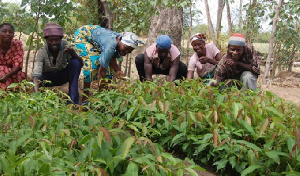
53,29
130,39
198,36
237,40
163,42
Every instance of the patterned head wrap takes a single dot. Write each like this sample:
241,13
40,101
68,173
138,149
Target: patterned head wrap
130,39
53,29
198,36
163,42
237,40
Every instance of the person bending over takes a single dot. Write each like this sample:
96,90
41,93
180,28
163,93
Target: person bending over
57,62
161,57
99,47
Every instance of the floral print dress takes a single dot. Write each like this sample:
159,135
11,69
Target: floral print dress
13,57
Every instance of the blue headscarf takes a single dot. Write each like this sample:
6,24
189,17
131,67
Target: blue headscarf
163,42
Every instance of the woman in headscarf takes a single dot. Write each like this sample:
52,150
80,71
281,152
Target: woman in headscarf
11,57
99,48
205,58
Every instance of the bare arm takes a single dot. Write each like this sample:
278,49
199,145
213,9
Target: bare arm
214,60
113,63
14,70
190,74
174,69
148,67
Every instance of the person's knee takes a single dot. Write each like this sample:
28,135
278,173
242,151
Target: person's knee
75,63
247,75
182,69
139,59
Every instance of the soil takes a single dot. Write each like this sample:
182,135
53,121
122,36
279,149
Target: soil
286,85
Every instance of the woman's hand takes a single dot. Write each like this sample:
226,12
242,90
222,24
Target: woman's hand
3,78
204,60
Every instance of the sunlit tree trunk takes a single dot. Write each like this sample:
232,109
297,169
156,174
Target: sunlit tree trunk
272,70
229,17
221,5
272,38
291,57
190,31
210,25
167,21
31,41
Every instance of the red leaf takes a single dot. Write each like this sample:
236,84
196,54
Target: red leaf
223,142
170,117
106,134
71,144
151,120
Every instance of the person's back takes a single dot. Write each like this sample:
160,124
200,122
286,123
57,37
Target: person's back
100,48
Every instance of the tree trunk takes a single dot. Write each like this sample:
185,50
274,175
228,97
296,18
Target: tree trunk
166,21
240,16
221,5
31,41
36,49
273,69
129,67
291,58
251,21
126,65
272,38
189,36
210,25
229,18
105,15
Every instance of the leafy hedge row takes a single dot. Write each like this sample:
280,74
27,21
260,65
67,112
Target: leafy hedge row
41,135
127,130
238,132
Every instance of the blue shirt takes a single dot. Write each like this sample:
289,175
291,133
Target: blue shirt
105,41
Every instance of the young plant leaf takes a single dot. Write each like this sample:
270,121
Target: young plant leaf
132,169
263,126
250,169
126,146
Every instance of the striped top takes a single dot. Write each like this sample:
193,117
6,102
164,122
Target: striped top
44,60
224,71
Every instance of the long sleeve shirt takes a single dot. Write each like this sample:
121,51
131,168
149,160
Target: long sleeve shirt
225,71
44,60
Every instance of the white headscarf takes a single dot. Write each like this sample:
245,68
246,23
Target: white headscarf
130,39
197,36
